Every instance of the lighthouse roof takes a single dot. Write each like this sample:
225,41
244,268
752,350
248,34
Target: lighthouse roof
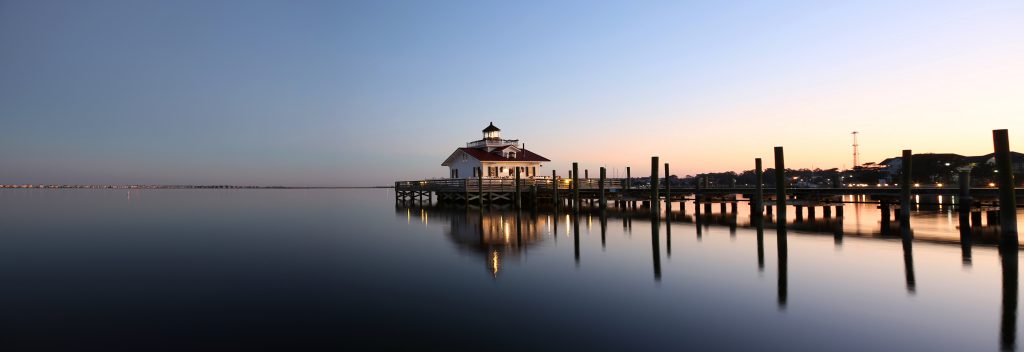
491,128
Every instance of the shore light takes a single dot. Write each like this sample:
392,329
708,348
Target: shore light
991,184
917,185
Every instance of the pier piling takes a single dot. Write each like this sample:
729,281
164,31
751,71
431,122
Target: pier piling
629,179
780,193
758,189
965,200
575,187
668,186
554,188
905,184
518,196
1007,196
654,182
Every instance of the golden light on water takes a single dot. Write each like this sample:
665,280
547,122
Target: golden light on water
495,263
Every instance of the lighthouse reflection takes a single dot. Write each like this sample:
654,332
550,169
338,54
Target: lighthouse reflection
495,235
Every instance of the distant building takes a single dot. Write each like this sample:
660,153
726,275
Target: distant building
1017,160
493,157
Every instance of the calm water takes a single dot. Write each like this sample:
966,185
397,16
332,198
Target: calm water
336,269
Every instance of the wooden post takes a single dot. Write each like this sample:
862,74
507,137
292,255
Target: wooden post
696,194
601,187
668,186
965,200
575,186
1007,196
654,182
759,188
629,179
992,218
480,187
780,193
518,196
904,196
884,206
905,183
586,174
964,209
554,188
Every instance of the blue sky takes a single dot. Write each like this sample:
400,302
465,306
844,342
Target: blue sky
363,93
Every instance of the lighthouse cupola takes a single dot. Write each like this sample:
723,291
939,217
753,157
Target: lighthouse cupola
492,132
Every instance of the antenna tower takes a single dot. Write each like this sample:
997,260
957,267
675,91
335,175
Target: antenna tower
856,153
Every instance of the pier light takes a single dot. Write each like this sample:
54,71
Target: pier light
938,185
917,185
991,184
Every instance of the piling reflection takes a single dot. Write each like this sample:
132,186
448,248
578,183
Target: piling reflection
964,222
907,237
668,229
576,235
655,243
759,226
782,243
604,228
1008,320
697,218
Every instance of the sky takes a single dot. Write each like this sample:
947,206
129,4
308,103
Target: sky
351,93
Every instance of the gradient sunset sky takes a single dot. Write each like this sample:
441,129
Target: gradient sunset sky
363,93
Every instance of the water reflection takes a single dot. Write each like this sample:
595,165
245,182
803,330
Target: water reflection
759,226
502,235
576,234
495,235
655,243
1008,321
964,225
782,244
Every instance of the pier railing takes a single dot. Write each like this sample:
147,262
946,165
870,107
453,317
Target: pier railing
503,184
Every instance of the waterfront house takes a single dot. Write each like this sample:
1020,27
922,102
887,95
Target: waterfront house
494,157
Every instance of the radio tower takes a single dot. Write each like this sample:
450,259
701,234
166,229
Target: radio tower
856,154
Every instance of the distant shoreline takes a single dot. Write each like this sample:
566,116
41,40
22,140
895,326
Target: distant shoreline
42,186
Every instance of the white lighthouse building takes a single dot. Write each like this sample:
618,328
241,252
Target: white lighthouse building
493,157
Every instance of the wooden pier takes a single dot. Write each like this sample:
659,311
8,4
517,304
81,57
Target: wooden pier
999,204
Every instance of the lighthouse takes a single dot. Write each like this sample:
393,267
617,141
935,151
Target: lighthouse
493,157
